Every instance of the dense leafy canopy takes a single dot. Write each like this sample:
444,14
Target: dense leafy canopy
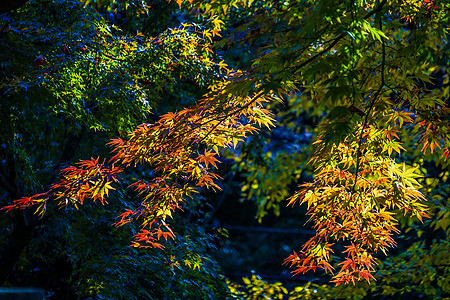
368,79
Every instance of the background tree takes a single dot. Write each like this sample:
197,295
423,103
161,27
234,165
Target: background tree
70,80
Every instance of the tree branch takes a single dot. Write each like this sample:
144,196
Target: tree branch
338,38
11,5
369,109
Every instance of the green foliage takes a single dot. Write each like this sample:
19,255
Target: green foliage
74,81
256,288
107,268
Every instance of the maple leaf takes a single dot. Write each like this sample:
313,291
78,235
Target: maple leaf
208,158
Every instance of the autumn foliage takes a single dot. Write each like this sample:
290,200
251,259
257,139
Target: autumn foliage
352,199
181,148
359,185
